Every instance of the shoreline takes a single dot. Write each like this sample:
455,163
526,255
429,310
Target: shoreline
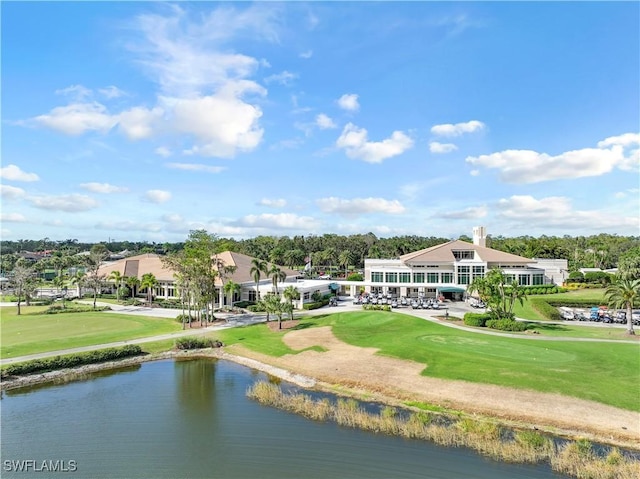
307,382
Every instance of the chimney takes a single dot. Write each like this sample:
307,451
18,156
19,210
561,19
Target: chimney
480,236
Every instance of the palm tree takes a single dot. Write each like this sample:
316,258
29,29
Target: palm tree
133,282
291,293
117,278
624,293
257,268
345,259
277,275
231,288
149,282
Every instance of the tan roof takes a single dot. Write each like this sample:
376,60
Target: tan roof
152,263
443,253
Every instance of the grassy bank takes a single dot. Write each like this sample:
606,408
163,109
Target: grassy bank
34,332
527,311
577,459
447,353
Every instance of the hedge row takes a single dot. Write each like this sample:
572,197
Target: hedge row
545,309
575,302
70,361
506,325
376,307
316,305
58,308
197,343
476,319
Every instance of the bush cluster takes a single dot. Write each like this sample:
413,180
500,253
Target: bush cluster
256,308
355,277
506,325
244,304
58,308
545,309
376,307
476,319
168,303
197,343
73,360
544,289
184,317
316,304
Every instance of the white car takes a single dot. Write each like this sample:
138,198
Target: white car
325,276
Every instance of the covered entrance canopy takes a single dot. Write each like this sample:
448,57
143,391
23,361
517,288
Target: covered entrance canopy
451,289
452,293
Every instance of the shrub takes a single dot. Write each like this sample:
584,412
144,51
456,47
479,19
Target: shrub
476,319
244,304
56,309
197,343
545,309
256,308
70,361
316,304
506,325
376,307
184,317
355,277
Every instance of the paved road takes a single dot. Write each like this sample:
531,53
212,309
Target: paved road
235,320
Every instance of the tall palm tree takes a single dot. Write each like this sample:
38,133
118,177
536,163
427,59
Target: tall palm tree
231,288
624,293
345,259
258,267
117,278
149,282
133,282
291,293
277,276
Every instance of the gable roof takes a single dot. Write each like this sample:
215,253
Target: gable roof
152,263
443,253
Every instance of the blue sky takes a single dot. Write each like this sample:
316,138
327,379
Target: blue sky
143,121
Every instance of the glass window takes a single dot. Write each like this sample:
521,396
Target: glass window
252,295
463,274
538,279
376,277
478,272
447,278
405,277
509,278
432,277
524,279
464,254
418,277
391,277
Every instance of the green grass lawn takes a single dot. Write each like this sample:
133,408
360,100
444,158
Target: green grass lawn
526,311
36,333
603,372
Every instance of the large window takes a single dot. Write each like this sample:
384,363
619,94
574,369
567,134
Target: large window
432,277
538,279
391,277
376,277
478,272
405,277
463,254
447,278
418,277
463,274
524,279
509,278
252,295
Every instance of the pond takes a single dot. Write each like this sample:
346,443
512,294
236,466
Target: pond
191,419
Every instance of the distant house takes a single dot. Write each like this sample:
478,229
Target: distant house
137,266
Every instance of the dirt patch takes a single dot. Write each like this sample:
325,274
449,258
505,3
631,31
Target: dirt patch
363,369
288,324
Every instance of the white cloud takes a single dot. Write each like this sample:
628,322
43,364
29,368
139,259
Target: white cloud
307,54
474,172
629,192
278,221
627,139
349,102
435,147
12,218
557,212
137,123
458,129
111,92
470,213
359,206
163,151
273,203
157,196
78,118
222,123
14,173
73,203
11,192
354,141
195,167
103,188
527,166
77,92
127,225
324,122
285,78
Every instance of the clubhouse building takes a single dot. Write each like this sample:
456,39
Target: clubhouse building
441,271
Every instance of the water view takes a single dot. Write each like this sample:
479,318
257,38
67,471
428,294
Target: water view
192,419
